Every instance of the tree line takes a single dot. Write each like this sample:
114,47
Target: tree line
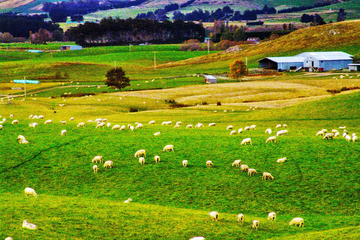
116,31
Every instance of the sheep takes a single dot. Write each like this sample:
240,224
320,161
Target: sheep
71,119
246,141
209,163
97,159
34,124
241,218
169,148
9,238
30,191
337,134
189,126
342,127
267,175
297,222
49,121
281,160
344,134
240,130
252,127
82,124
268,131
177,126
354,138
164,123
285,125
211,124
101,124
108,164
142,160
157,158
131,128
197,238
1,127
108,124
214,215
233,132
329,136
244,167
140,152
251,171
63,122
63,132
157,134
271,216
236,163
41,117
128,200
139,126
229,127
280,133
278,126
271,139
185,163
247,128
21,139
199,125
95,168
15,121
151,122
320,133
117,126
178,123
334,131
255,224
122,128
28,225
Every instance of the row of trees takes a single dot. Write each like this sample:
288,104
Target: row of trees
117,31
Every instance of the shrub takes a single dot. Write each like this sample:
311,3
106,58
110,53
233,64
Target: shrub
218,103
191,45
133,109
204,103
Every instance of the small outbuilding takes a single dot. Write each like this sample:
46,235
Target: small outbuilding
281,63
354,67
70,47
210,79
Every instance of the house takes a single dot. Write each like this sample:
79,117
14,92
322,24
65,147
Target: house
70,47
210,79
310,61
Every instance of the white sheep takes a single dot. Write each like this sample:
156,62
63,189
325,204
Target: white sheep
334,131
169,148
197,238
236,163
247,128
255,224
30,191
115,127
185,163
178,123
48,121
251,171
320,133
241,218
40,117
297,222
28,225
281,160
214,215
209,163
131,128
189,126
140,152
348,138
211,124
329,136
177,126
278,126
229,127
9,238
82,124
95,168
157,134
34,124
337,134
97,159
244,167
128,200
271,139
157,158
199,125
280,133
15,121
246,141
71,119
108,164
21,139
100,125
252,127
240,130
63,132
1,127
267,175
285,126
271,216
354,138
142,160
122,128
233,132
139,126
151,122
268,131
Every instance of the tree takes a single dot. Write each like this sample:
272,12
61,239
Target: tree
341,15
238,69
116,78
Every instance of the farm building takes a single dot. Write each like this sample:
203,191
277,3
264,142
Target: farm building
354,67
311,61
210,79
70,47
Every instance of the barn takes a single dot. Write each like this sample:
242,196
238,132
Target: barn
310,61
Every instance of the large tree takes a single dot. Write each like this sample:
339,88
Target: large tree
237,69
116,78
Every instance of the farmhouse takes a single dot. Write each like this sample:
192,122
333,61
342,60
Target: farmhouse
310,61
70,47
210,79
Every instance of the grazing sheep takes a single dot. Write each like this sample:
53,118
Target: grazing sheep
131,128
320,133
63,132
255,224
229,127
271,216
117,126
101,124
267,175
97,159
247,128
142,160
251,171
28,225
48,121
41,117
347,137
63,122
197,238
285,126
21,139
199,125
354,138
15,121
164,123
211,124
233,132
151,122
157,134
95,168
141,152
189,126
324,130
34,124
271,139
241,218
139,126
209,163
297,222
343,127
329,136
108,124
334,131
278,126
185,163
30,191
71,119
122,128
240,130
108,164
236,163
178,123
1,127
281,160
157,158
82,124
214,215
9,238
169,148
280,133
252,127
337,134
128,200
246,141
177,126
268,131
244,167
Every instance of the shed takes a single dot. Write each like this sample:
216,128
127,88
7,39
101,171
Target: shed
210,79
281,63
70,47
325,61
354,67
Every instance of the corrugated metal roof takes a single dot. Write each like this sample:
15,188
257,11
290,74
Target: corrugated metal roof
285,59
326,55
210,77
